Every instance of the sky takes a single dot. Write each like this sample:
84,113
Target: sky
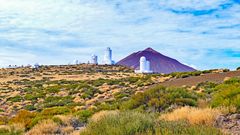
204,34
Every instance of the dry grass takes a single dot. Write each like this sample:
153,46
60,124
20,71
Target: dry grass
44,128
66,119
205,116
102,114
13,129
67,130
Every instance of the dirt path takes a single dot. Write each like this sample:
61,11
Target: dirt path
191,81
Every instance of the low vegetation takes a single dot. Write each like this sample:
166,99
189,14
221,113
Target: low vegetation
198,116
160,98
227,94
130,122
111,98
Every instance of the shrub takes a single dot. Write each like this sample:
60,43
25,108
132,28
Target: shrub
160,98
98,82
102,114
3,120
30,107
135,123
49,113
23,117
227,94
89,92
131,80
208,87
12,130
15,99
54,89
55,111
34,97
83,115
182,128
44,128
233,81
1,110
122,123
205,116
57,101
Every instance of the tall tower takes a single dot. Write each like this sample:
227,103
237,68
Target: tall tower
143,64
108,57
148,66
94,59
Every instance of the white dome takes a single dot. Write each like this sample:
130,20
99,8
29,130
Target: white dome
143,58
36,64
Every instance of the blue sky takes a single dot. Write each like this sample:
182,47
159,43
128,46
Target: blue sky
201,33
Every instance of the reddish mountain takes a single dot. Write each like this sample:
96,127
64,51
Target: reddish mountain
159,62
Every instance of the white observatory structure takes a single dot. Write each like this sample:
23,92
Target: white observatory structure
108,57
36,66
94,59
75,62
145,66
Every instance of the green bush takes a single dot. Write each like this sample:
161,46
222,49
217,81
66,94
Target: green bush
83,115
89,92
233,81
124,123
227,94
24,117
55,111
57,101
1,110
208,87
30,107
15,99
98,82
34,97
135,123
53,89
49,113
160,98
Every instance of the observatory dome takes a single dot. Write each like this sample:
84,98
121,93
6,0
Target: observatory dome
143,58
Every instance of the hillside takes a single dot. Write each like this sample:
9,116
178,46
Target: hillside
74,99
159,62
194,80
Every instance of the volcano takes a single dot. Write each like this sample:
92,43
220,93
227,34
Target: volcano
159,63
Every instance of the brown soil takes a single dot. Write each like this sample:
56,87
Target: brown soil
192,81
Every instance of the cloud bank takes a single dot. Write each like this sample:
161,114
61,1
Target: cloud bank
202,33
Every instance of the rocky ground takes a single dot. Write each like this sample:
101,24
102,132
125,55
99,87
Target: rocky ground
229,123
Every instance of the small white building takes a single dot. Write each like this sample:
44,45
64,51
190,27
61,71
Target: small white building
94,59
75,62
145,66
108,57
36,66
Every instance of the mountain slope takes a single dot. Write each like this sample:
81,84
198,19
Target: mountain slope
159,62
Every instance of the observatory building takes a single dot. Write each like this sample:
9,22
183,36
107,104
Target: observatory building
144,66
108,57
75,62
94,59
36,66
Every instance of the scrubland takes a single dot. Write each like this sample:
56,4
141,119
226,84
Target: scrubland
112,100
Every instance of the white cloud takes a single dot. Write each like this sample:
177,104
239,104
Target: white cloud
61,30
